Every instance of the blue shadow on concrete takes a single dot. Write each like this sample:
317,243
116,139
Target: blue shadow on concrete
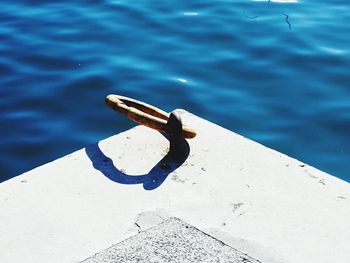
152,180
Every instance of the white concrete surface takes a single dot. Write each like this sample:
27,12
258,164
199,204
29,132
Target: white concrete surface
266,204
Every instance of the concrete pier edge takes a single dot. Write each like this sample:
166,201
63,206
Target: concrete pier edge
263,203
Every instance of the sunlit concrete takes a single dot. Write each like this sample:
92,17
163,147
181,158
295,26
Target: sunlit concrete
259,201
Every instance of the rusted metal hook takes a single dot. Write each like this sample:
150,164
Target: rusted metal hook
145,114
152,117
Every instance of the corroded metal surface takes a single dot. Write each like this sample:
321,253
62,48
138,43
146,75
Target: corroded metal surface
144,114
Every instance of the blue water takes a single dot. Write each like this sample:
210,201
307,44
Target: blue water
278,73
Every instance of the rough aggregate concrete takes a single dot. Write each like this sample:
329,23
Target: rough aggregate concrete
171,241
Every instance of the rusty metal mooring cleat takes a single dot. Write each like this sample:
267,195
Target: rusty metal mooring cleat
168,124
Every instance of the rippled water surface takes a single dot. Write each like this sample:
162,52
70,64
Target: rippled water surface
277,72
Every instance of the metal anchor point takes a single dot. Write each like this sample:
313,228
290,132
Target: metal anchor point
168,124
177,141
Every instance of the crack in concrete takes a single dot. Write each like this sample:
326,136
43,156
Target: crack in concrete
310,175
236,206
322,181
161,218
341,197
138,226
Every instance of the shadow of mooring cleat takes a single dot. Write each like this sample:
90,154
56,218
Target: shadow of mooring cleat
170,125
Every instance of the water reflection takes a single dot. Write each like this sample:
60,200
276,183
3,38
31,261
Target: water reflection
190,14
278,1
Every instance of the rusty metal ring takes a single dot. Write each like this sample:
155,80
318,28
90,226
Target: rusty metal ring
144,114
